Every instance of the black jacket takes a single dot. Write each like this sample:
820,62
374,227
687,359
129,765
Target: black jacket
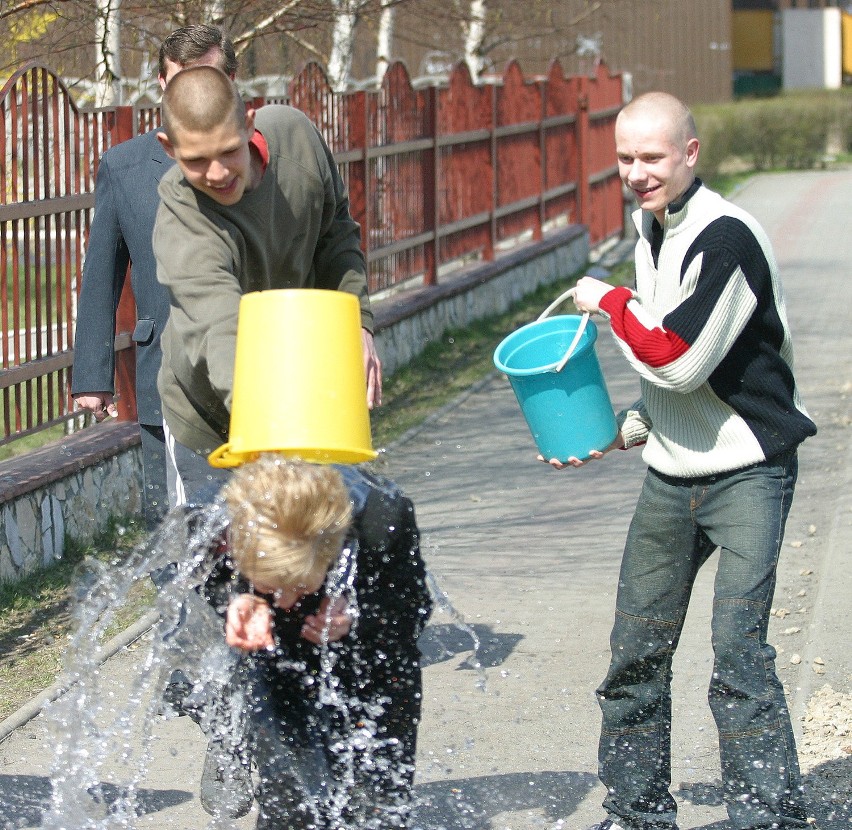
389,581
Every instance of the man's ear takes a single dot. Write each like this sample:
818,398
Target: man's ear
692,147
167,145
249,125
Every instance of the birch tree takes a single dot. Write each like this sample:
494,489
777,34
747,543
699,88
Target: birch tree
107,57
346,14
474,38
384,39
214,12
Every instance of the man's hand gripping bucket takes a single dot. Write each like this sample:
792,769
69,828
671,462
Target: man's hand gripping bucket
554,372
299,382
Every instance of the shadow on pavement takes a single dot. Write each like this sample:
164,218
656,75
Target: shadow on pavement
443,642
828,790
472,803
827,794
701,793
23,799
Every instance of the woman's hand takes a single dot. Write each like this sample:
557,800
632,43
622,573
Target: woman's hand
248,624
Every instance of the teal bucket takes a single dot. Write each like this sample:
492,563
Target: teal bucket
554,372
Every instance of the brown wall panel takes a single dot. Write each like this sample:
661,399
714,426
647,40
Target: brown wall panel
680,46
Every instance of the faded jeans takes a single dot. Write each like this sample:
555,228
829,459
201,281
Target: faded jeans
677,525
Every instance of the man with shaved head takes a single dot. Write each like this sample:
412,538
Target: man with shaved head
255,202
720,420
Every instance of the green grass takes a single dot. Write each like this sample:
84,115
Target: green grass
51,389
36,614
34,441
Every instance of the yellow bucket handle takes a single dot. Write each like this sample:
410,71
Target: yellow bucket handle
221,457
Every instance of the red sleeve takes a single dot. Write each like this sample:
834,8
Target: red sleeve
655,346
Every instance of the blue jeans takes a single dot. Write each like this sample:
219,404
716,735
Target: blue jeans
677,525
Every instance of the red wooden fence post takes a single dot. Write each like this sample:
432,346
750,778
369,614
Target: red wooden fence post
367,224
122,129
356,181
431,200
538,230
584,152
488,253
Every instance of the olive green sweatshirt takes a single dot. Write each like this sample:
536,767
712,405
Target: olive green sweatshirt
294,230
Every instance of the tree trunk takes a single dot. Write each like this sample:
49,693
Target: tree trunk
108,62
214,12
342,42
384,41
474,34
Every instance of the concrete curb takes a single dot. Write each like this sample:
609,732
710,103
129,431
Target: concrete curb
35,706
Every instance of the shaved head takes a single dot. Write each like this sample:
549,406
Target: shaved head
657,150
200,99
668,112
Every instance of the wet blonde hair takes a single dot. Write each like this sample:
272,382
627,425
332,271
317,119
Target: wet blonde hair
288,520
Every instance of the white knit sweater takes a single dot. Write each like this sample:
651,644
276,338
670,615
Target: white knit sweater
707,331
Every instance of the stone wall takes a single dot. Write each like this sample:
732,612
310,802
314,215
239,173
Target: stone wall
68,489
71,489
405,324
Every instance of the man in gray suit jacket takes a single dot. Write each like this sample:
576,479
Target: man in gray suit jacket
126,202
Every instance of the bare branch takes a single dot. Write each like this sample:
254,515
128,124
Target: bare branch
27,5
306,45
496,40
244,40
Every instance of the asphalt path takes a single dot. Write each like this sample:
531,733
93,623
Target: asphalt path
527,558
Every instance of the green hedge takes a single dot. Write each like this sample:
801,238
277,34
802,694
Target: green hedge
795,131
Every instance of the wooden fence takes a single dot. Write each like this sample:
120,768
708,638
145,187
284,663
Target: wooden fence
437,176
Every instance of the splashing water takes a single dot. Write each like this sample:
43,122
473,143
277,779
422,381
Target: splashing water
100,735
92,730
443,604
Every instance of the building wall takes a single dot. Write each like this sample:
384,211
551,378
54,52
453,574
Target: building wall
812,51
753,40
679,46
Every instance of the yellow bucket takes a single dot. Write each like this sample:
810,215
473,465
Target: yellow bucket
299,382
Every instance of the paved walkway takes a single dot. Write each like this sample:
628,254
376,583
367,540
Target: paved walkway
529,557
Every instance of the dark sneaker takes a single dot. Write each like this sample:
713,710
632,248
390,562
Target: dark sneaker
177,690
226,787
611,824
606,824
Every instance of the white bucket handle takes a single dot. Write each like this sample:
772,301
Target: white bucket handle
580,329
558,301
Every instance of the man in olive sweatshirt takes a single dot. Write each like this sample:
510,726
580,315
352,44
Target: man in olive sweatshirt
254,202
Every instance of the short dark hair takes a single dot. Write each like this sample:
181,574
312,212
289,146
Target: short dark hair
188,44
